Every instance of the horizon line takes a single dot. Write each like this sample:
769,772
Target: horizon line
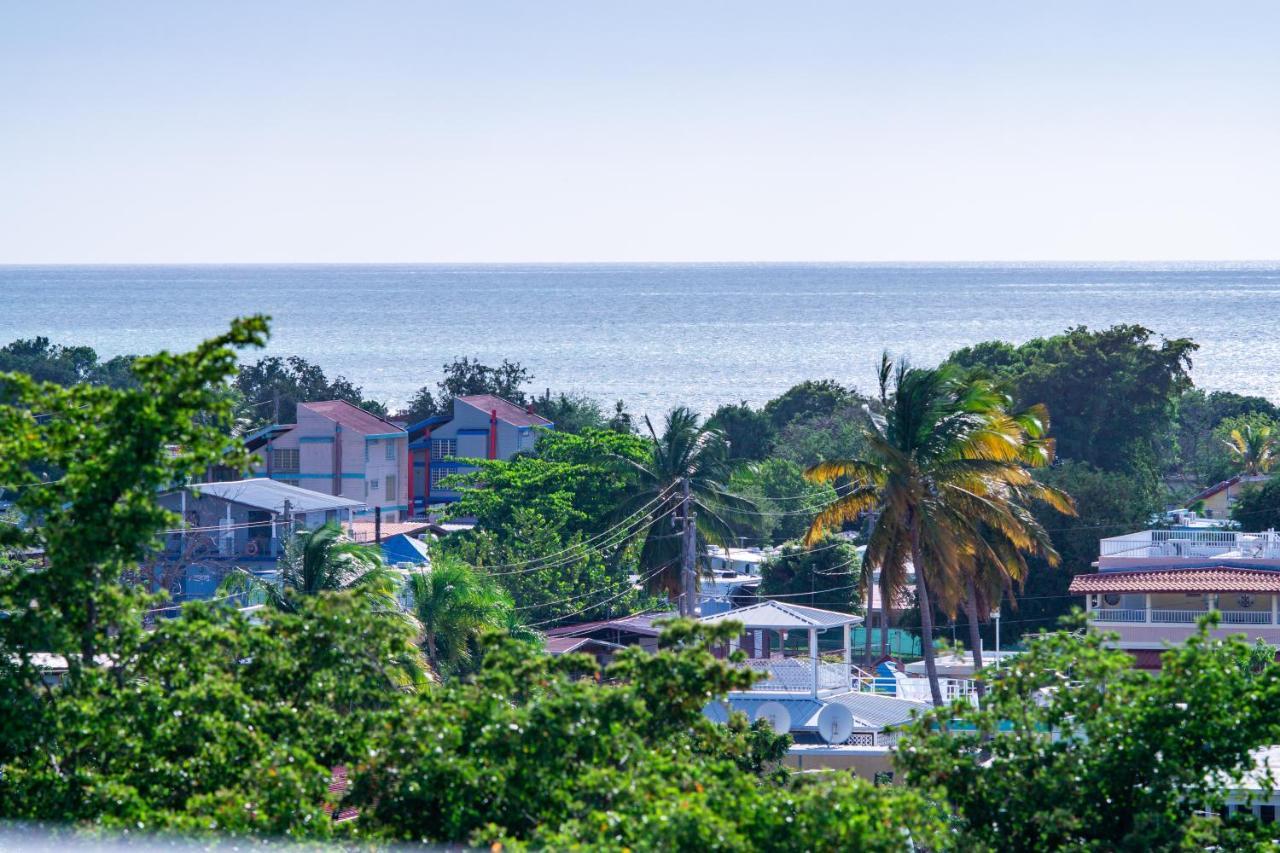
868,263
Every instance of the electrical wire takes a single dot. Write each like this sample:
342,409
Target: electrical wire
640,582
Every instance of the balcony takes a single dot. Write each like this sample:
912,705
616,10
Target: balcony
1175,545
795,675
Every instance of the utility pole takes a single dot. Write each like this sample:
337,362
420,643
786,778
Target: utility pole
288,519
689,553
377,524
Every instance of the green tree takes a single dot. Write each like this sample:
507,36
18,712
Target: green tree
1199,456
45,361
944,460
531,754
840,434
454,603
274,381
749,432
686,452
572,413
809,398
786,499
1250,443
322,560
1258,508
466,376
1076,749
826,575
1113,391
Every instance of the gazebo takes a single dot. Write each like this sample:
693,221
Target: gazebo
796,675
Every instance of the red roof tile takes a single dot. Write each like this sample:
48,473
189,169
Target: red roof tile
1178,580
352,417
507,411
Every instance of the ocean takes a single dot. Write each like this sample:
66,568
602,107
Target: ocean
654,335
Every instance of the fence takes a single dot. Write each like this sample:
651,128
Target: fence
901,643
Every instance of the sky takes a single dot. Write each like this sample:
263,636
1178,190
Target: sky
659,131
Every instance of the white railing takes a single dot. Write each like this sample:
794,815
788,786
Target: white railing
1178,617
1192,543
1245,617
1119,615
795,675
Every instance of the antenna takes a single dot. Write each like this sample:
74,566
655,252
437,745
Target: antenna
716,712
776,715
835,723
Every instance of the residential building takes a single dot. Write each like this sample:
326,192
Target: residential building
1152,586
834,713
238,523
480,426
1216,501
638,630
339,449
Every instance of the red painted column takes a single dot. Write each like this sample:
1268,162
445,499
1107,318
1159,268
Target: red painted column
493,434
408,452
426,473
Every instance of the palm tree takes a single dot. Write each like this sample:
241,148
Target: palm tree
940,458
685,453
322,560
454,603
1253,447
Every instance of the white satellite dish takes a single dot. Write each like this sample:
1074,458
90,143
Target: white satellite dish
776,715
835,723
716,712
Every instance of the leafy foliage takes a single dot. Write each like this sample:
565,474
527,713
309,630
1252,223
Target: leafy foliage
45,361
290,381
786,499
454,603
748,432
827,575
1113,391
1076,749
465,376
529,753
1200,458
1258,508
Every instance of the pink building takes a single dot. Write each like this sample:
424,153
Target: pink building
1153,585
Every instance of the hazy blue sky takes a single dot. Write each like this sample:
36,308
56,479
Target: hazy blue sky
545,131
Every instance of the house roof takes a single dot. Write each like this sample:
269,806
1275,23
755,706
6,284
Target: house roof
262,493
1178,580
870,710
565,645
508,411
256,439
776,614
402,548
641,625
1226,484
351,416
363,531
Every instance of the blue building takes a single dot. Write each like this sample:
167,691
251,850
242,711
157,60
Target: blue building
481,426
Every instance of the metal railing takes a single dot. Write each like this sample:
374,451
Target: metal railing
1192,543
1121,615
795,675
1177,617
1245,617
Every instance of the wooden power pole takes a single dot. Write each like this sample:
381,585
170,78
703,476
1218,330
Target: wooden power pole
689,554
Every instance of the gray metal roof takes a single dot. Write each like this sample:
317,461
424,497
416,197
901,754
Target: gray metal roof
777,614
262,493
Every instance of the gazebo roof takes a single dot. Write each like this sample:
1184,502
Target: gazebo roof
775,615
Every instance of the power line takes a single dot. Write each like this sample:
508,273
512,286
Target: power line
640,582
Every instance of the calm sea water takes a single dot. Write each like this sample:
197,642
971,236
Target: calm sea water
654,335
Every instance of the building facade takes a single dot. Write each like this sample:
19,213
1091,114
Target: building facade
1152,586
339,449
481,426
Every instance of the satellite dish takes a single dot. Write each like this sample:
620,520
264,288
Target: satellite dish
776,715
835,723
716,712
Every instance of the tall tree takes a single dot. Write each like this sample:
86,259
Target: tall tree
1252,447
322,560
454,603
274,386
465,376
943,457
686,451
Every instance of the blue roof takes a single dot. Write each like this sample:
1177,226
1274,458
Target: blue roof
403,548
434,420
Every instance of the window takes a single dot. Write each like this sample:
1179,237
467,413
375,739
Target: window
443,447
438,474
391,450
391,487
373,486
1267,814
284,461
524,439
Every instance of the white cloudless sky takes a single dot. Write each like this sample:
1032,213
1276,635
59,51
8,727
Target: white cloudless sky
655,131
